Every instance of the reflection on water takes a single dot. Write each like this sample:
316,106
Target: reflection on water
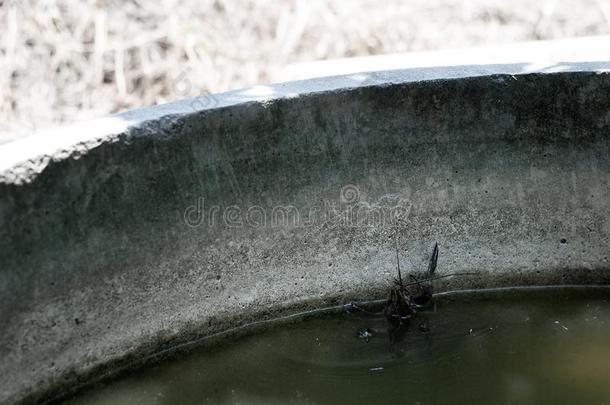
503,347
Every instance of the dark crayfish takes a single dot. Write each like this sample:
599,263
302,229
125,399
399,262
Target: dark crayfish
403,304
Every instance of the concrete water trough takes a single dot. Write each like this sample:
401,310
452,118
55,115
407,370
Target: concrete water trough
129,235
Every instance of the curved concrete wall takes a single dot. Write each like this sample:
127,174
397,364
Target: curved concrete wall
130,234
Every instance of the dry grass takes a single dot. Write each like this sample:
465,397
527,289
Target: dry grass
71,59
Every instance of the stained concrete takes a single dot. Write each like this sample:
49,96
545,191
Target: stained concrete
105,258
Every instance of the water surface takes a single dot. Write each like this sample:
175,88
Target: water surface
531,346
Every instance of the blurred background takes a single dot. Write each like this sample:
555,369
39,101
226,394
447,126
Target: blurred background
68,60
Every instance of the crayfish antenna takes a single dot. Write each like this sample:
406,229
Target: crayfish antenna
433,261
426,286
398,263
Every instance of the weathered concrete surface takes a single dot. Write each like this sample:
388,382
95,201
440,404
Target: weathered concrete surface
103,259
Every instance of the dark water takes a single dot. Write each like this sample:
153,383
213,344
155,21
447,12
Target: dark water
503,347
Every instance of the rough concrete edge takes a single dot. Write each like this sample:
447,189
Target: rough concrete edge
22,160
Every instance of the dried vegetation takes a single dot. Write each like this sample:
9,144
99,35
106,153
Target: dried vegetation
72,59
